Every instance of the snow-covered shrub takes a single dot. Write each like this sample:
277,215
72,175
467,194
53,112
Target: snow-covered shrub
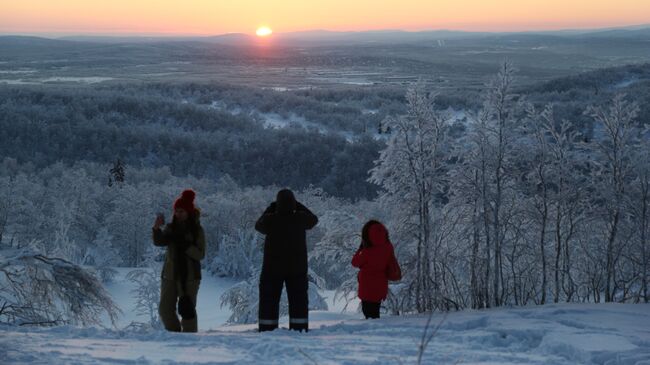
141,327
106,274
146,293
129,223
239,255
331,255
40,290
335,239
243,300
316,301
399,299
102,255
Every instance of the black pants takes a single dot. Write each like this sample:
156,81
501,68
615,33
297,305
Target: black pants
370,309
269,306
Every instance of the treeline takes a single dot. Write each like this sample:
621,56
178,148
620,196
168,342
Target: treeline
571,95
342,109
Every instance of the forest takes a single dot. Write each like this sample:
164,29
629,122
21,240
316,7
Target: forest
511,194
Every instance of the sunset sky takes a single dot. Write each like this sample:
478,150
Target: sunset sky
205,17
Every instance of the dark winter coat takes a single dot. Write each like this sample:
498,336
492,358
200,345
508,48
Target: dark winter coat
285,246
376,259
182,244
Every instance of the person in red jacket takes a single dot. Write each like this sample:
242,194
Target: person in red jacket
377,263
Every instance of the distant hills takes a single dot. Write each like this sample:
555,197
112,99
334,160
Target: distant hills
328,38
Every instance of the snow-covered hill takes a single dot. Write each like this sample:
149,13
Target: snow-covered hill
551,334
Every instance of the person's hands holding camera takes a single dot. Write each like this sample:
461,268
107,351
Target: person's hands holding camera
159,222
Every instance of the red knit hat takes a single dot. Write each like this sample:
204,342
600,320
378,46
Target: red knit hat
186,201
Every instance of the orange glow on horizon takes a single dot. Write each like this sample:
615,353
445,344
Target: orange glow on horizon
209,17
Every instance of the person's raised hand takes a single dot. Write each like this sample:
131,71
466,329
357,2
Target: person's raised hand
160,220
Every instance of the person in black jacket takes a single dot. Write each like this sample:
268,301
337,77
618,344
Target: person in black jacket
284,223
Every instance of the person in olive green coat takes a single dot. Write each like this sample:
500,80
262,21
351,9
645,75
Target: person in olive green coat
181,273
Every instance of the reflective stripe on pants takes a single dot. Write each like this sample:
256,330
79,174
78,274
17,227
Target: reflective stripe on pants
269,322
269,305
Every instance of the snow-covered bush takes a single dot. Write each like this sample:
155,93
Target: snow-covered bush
40,290
243,301
106,274
331,255
146,293
239,255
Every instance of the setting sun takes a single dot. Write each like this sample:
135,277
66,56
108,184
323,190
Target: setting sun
263,31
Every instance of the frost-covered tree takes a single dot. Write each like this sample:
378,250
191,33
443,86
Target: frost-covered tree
239,256
411,172
243,301
556,189
40,290
146,293
102,255
338,234
117,173
539,185
5,201
615,150
129,223
500,126
640,207
333,252
484,179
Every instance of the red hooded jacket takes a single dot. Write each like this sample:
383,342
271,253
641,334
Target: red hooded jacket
378,265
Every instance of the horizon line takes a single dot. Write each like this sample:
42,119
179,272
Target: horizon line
127,34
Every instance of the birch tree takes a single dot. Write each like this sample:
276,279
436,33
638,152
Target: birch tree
615,163
410,170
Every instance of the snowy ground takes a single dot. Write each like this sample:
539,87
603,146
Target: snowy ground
551,334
